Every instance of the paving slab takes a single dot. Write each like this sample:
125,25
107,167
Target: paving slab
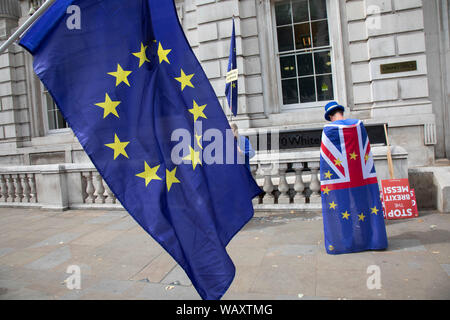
51,260
58,239
276,257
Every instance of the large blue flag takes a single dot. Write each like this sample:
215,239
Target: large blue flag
231,88
351,206
125,82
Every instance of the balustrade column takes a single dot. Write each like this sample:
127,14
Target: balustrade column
299,186
108,194
99,189
25,188
11,190
3,189
32,184
268,185
283,186
315,184
18,187
89,187
253,170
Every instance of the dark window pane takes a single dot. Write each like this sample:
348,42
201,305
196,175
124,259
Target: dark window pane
318,9
307,89
287,65
322,62
51,120
61,122
320,33
305,64
283,13
324,88
290,93
302,36
285,42
300,11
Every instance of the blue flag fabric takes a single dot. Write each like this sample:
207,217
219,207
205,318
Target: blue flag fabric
125,82
351,206
231,88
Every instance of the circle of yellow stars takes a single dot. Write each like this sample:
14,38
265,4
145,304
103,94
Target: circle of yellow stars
110,108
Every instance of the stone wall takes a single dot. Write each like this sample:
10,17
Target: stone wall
383,32
14,112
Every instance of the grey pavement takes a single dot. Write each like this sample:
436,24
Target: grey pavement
276,257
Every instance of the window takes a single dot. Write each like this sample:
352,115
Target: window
304,52
54,116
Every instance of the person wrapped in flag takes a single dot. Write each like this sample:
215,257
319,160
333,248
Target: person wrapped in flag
351,206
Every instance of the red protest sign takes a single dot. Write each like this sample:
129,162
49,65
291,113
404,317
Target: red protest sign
397,199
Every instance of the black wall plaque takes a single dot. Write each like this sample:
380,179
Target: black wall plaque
398,67
299,139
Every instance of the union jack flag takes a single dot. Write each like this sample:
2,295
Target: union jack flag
339,149
351,207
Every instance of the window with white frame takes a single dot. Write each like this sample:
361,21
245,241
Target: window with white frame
55,119
303,50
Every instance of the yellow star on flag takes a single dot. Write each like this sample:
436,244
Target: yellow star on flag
345,215
361,216
185,80
333,205
328,174
121,75
109,106
142,55
118,147
366,157
162,54
374,210
197,111
194,157
149,173
353,155
326,190
337,162
171,178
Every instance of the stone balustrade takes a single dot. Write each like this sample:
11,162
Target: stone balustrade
95,190
18,188
55,187
290,181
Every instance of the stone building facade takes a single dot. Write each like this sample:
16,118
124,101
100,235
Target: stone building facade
386,61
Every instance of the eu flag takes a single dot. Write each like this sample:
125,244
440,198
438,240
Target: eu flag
351,206
125,82
231,88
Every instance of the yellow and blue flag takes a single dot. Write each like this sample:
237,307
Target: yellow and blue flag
351,206
125,81
231,88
